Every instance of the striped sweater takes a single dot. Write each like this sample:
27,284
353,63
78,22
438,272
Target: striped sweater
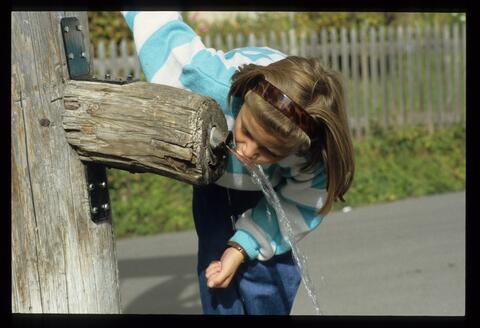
172,54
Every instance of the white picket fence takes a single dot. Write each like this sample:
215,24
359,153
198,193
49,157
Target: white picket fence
392,75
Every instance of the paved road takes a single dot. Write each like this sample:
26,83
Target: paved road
402,258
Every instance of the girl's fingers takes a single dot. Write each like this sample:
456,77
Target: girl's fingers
213,268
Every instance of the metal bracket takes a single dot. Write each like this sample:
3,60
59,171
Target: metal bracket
76,52
98,192
79,69
73,41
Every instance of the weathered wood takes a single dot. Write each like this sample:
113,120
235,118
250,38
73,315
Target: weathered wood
62,262
144,127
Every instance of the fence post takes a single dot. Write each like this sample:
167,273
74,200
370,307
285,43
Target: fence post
124,65
273,39
410,95
438,74
355,80
383,76
428,75
364,67
448,75
101,62
293,43
374,71
334,47
303,44
314,44
419,84
401,74
325,46
112,53
456,72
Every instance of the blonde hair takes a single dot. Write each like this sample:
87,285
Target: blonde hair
320,92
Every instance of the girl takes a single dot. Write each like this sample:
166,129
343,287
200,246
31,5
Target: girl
287,114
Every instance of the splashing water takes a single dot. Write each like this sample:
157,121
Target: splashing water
259,178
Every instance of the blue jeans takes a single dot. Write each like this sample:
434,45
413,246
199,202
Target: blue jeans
259,287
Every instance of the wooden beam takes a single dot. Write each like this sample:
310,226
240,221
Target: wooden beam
62,262
144,127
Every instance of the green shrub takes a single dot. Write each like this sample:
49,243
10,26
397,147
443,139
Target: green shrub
407,162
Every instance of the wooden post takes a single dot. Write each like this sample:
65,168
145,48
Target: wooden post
145,127
62,262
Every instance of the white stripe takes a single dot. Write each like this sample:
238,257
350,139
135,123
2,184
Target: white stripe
230,122
246,223
180,56
301,193
297,223
243,181
148,22
235,61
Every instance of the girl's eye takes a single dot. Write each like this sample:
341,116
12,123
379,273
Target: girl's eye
268,152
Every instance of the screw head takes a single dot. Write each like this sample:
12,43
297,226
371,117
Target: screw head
79,27
83,54
71,56
66,29
107,76
91,186
105,206
103,184
94,210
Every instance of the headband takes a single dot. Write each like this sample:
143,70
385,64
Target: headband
286,106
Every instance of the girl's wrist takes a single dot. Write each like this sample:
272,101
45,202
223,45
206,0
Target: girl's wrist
239,249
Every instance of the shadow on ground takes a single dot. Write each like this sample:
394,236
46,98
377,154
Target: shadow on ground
176,293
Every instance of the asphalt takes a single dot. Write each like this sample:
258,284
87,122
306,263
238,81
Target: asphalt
400,258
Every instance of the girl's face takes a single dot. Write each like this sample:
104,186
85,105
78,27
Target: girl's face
253,142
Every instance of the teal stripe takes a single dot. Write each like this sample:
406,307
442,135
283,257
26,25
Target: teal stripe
160,44
320,180
248,243
130,18
311,219
261,218
235,166
208,76
253,54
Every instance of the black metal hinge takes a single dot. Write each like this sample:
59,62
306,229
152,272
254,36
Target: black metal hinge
97,185
79,69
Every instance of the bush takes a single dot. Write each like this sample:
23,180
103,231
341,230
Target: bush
407,162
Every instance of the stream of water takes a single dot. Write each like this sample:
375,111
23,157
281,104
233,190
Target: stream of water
259,178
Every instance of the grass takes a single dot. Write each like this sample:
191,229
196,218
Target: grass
390,165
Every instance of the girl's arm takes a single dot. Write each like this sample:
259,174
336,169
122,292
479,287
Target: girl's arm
171,53
301,196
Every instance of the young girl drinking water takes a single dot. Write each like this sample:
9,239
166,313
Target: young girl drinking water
287,114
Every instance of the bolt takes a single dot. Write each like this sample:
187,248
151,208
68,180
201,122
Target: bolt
129,77
44,122
79,27
71,56
66,29
83,54
105,207
94,210
91,186
107,76
103,184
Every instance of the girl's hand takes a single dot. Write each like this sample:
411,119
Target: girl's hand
220,273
